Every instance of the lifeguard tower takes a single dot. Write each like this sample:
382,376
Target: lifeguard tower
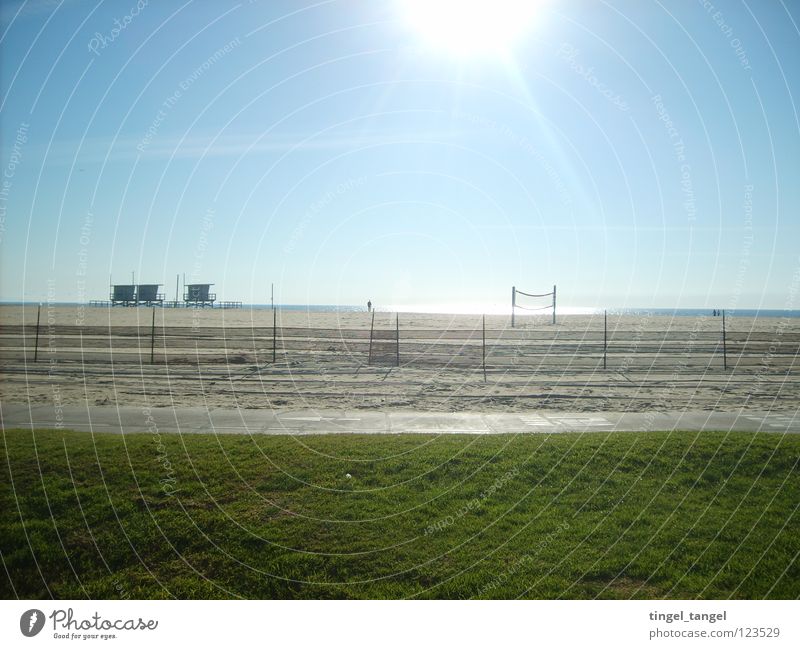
148,295
123,295
199,295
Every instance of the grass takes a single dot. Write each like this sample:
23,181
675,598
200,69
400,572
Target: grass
624,515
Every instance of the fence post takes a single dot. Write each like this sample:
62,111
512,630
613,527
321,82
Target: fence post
36,344
724,344
605,336
152,336
274,333
397,333
484,348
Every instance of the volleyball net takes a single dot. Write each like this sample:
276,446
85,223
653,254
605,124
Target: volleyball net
532,302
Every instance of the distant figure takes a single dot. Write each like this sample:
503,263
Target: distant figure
714,313
369,306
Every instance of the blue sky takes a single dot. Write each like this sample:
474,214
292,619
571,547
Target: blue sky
634,153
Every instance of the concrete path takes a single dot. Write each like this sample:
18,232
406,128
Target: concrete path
307,422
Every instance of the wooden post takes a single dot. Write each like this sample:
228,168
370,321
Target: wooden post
371,329
724,344
605,336
274,333
484,348
152,336
36,344
554,303
397,333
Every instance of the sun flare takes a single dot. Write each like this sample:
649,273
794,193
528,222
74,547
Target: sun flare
468,27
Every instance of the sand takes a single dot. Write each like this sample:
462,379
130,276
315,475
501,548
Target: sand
223,359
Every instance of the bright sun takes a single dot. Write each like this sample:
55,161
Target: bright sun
467,27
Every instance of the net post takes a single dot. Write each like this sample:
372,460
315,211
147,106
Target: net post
397,334
554,303
371,329
274,334
724,344
484,348
152,336
605,336
513,303
36,344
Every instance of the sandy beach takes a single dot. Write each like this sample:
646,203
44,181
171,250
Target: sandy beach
224,359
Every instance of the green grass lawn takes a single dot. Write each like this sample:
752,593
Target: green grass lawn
642,515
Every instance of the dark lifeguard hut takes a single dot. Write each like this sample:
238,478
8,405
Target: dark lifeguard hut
148,295
199,295
123,295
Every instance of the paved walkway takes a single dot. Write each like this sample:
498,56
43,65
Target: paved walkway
306,422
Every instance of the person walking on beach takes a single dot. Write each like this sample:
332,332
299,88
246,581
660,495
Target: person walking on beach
369,306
